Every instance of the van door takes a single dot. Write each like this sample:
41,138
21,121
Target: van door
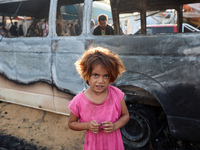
68,44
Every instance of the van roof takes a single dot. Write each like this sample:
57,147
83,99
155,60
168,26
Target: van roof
34,10
136,5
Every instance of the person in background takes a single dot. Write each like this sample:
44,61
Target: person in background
45,28
21,32
72,30
103,28
77,29
101,108
5,26
67,29
92,26
38,29
14,29
2,31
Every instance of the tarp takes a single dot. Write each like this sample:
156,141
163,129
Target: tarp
196,7
101,8
71,12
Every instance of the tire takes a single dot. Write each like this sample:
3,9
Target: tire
138,133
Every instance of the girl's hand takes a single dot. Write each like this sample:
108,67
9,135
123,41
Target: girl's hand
108,126
93,126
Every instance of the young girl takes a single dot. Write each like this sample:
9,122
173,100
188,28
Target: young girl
101,108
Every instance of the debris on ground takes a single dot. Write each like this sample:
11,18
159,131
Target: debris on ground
29,127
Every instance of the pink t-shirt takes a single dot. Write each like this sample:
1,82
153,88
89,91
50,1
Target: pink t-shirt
109,110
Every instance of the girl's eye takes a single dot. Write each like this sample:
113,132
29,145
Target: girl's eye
95,75
106,76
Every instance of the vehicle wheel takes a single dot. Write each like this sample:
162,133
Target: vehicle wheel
138,132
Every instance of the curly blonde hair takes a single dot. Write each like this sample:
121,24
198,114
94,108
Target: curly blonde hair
99,56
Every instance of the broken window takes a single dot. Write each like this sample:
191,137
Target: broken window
69,18
162,21
156,22
129,22
24,18
101,8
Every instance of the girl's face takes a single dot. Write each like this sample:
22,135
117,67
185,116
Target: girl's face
99,80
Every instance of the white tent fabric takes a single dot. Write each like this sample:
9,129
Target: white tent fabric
196,7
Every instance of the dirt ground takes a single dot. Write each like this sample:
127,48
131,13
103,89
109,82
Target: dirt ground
39,127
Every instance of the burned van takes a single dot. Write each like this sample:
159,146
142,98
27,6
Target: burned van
41,40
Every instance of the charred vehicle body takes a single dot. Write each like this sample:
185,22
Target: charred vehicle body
161,82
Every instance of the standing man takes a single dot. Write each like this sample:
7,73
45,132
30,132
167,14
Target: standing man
72,30
45,28
14,29
103,28
67,29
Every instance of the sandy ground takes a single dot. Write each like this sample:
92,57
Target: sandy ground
39,127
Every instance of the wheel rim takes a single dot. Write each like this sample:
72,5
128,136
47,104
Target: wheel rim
137,130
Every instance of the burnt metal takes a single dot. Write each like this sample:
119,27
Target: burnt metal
29,8
127,6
